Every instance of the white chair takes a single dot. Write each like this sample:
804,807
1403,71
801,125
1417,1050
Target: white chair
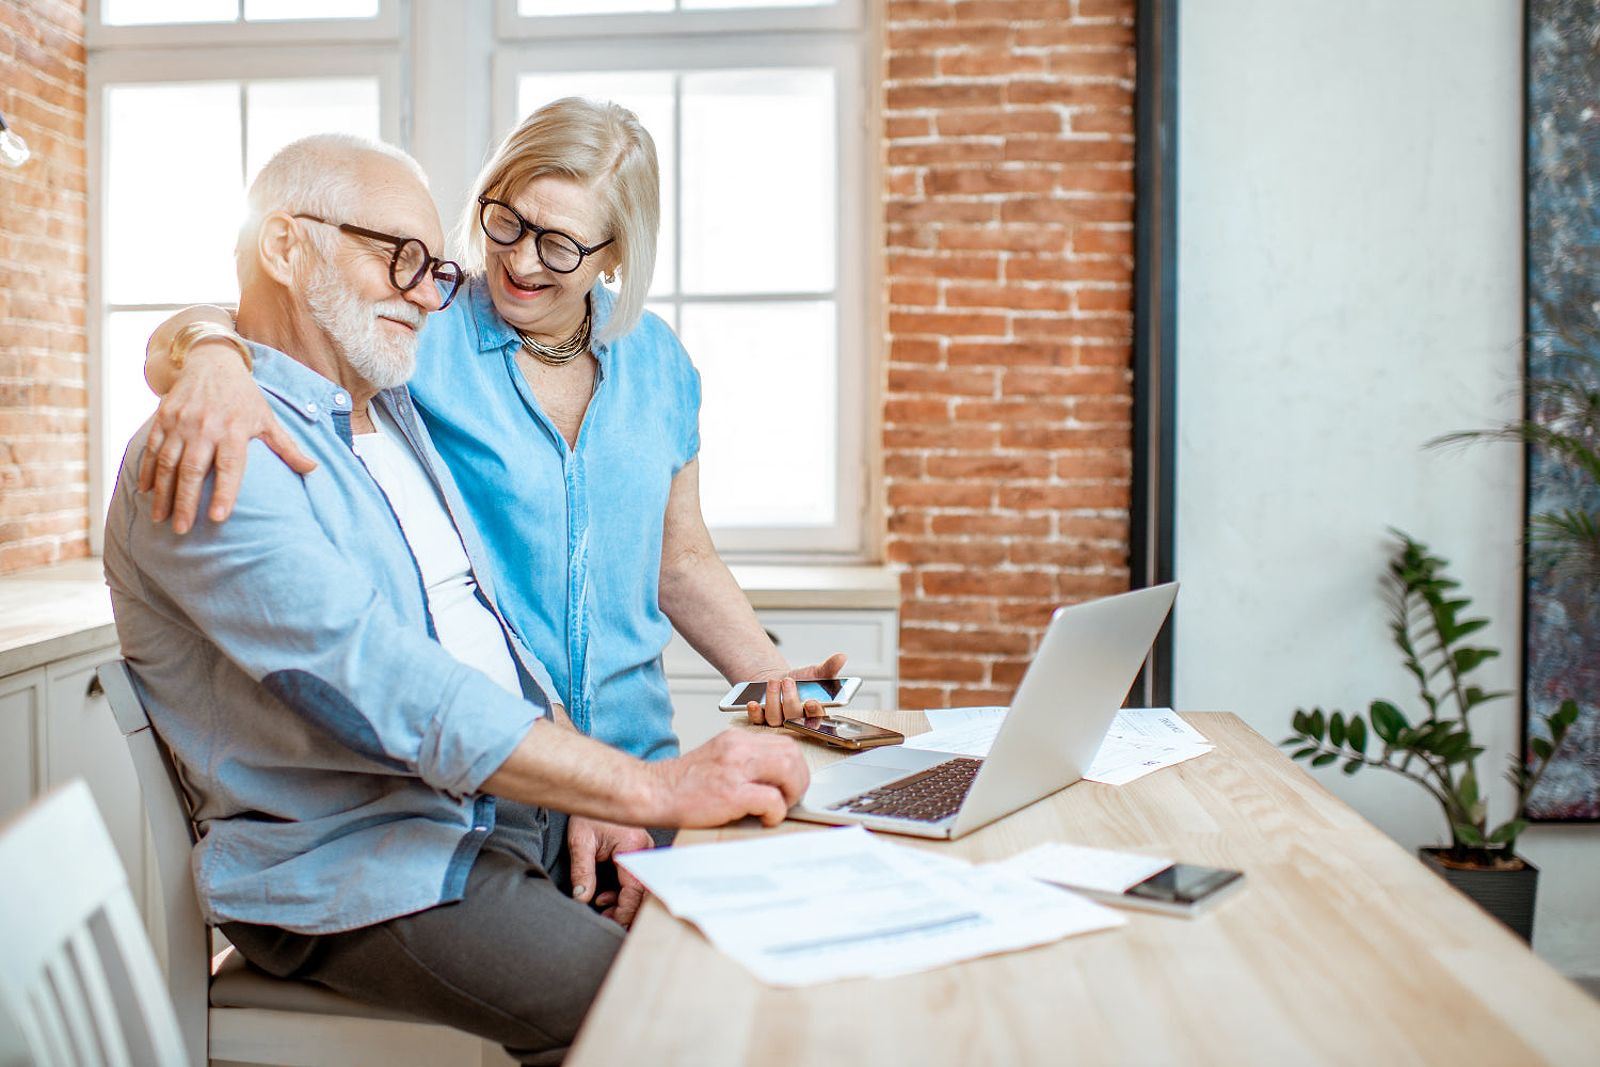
229,1010
77,976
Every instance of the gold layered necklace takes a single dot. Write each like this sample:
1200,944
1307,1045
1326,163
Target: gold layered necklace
559,355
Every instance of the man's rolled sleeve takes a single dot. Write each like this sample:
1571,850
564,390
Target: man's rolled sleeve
462,747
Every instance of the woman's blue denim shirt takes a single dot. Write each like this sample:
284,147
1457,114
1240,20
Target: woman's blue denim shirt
574,533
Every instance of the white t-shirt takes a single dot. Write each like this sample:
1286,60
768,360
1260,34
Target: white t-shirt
467,629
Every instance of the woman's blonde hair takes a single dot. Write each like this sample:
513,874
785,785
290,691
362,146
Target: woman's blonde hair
603,146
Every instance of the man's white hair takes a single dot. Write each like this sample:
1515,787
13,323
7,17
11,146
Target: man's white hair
317,175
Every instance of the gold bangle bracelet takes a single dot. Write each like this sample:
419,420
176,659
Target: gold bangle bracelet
192,334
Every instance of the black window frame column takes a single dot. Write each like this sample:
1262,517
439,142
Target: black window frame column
1155,272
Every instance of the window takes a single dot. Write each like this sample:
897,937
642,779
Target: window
759,268
167,240
756,110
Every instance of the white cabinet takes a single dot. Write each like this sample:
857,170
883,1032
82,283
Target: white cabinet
21,739
55,726
805,636
82,741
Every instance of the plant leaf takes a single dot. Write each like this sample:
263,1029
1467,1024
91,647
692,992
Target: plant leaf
1468,834
1325,759
1541,748
1351,766
1356,734
1309,750
1336,730
1508,832
1567,714
1466,659
1318,724
1387,722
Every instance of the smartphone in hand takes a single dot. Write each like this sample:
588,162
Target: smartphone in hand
829,692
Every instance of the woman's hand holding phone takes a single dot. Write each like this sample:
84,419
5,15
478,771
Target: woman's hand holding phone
783,696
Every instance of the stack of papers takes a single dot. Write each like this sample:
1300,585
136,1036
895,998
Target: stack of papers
1141,741
800,908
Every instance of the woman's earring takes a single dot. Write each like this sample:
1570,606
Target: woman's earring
611,276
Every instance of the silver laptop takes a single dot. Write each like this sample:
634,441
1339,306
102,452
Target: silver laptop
1084,667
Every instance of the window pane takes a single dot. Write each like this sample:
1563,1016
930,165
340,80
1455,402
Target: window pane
722,5
170,225
649,95
149,12
666,309
758,181
765,367
269,10
278,112
536,8
128,401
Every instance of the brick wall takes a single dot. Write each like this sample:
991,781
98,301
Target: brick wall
1008,206
44,421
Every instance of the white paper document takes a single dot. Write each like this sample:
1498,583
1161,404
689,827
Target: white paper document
1155,724
1081,867
960,731
1140,741
800,908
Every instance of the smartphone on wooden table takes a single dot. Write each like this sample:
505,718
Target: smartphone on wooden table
840,732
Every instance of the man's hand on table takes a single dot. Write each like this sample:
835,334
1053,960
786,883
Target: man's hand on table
736,773
591,842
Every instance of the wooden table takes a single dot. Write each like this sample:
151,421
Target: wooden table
1341,949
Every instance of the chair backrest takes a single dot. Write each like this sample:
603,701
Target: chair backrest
172,832
77,974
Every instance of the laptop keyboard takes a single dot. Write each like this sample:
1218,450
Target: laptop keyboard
926,796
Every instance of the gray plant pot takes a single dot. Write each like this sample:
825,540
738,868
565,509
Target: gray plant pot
1507,895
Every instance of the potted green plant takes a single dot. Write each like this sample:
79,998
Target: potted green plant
1560,429
1563,423
1434,745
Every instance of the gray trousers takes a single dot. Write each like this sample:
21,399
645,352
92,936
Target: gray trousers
516,960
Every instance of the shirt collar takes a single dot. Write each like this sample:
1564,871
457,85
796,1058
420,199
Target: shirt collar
297,385
494,333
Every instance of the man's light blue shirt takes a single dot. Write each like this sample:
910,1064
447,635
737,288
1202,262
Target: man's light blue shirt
575,533
331,749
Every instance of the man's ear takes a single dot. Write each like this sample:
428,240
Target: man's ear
279,244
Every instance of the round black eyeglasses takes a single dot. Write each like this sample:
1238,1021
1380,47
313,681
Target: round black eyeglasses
559,252
410,263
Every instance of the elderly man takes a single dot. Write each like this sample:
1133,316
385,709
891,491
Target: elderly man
375,770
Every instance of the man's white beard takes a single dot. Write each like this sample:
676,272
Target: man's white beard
383,361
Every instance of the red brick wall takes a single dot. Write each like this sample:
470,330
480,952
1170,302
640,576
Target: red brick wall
44,421
1008,206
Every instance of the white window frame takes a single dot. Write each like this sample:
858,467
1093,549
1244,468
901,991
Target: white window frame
840,15
470,54
208,52
846,538
387,25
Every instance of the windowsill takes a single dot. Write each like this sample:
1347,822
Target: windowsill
827,586
50,613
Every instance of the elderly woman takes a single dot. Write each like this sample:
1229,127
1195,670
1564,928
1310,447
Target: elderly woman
569,417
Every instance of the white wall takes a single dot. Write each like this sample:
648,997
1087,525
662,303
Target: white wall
1350,257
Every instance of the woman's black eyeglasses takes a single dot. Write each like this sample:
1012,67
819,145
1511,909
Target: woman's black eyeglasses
559,252
410,263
